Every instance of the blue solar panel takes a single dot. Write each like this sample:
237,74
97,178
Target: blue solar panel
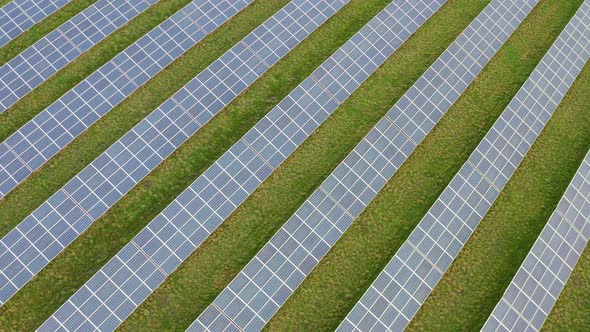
253,297
101,184
284,262
40,61
198,211
399,291
540,279
18,16
45,135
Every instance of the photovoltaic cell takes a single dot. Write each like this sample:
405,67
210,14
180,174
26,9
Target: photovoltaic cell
18,16
262,287
51,53
398,292
45,135
538,282
58,221
199,210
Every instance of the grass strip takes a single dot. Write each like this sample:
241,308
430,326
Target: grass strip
331,291
188,291
571,310
68,77
39,30
43,295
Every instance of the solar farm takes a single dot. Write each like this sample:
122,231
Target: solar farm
294,165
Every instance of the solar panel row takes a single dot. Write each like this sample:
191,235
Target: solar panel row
280,267
271,277
50,131
536,286
399,291
54,225
184,224
33,66
18,16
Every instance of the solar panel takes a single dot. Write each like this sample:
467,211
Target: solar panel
538,282
185,223
45,135
405,283
53,52
267,281
18,16
58,221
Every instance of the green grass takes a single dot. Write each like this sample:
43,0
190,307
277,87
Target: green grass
67,78
35,302
39,30
189,290
345,273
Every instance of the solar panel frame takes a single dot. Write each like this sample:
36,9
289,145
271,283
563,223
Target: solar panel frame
278,269
430,249
46,134
533,291
199,210
18,16
44,58
100,185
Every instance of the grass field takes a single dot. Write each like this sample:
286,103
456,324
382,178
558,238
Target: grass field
475,281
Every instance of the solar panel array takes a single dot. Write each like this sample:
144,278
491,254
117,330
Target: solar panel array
270,278
37,63
45,135
18,16
399,291
184,224
58,221
280,267
536,286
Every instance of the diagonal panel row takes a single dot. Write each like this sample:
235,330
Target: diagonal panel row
399,291
53,52
65,215
18,16
174,234
50,131
536,286
281,266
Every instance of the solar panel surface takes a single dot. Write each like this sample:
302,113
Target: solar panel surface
50,131
405,283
